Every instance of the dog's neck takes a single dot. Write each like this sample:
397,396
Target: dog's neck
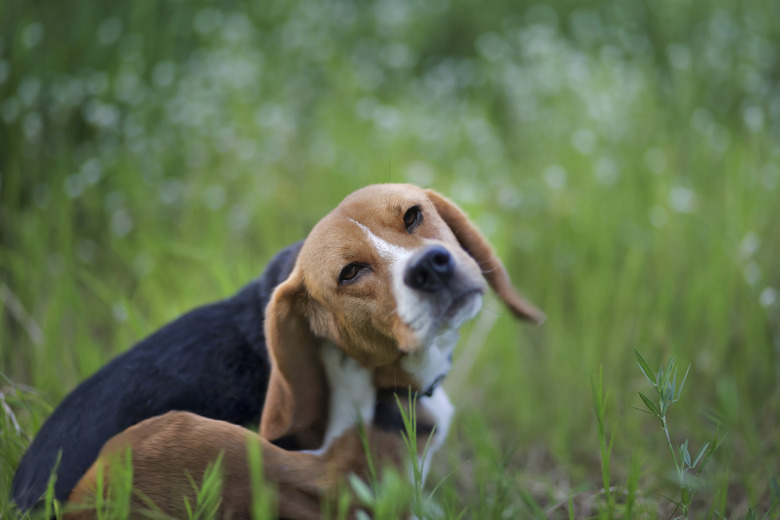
428,366
420,370
353,388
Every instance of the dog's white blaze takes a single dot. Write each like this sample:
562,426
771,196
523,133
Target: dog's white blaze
386,250
441,408
352,394
408,304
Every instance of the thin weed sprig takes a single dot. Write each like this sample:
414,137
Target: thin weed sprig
664,381
605,446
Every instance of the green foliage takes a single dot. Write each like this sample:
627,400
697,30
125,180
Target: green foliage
416,459
208,495
664,381
621,157
605,447
113,493
16,400
387,499
262,501
388,495
51,507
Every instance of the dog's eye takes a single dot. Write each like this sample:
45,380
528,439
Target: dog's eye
351,272
412,218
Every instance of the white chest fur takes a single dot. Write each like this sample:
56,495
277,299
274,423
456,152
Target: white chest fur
352,393
432,363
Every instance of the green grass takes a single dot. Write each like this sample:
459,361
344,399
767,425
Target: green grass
622,157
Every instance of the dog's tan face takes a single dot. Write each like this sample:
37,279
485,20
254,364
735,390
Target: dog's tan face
385,274
388,277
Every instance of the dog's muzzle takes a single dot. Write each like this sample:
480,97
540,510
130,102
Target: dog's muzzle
430,269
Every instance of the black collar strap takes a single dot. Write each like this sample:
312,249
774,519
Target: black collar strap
436,382
404,391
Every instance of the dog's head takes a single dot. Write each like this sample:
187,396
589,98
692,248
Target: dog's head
393,271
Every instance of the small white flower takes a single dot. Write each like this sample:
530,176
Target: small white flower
752,273
682,199
119,311
555,177
749,245
768,297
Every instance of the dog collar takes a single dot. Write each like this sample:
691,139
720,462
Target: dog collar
428,392
436,382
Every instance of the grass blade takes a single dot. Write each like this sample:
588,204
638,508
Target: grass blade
644,367
650,405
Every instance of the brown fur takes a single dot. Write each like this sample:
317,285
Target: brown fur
167,448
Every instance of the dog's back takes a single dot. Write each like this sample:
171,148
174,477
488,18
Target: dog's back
212,361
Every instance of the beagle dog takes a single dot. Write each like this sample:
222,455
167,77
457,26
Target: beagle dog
386,279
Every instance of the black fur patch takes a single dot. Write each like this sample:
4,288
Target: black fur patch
212,361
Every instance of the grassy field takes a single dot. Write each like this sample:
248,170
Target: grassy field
622,157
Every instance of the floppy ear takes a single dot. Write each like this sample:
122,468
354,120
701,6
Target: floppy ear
297,391
478,247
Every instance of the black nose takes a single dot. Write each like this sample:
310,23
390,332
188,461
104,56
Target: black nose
430,269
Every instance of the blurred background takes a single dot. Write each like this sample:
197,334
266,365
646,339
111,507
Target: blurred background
622,156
